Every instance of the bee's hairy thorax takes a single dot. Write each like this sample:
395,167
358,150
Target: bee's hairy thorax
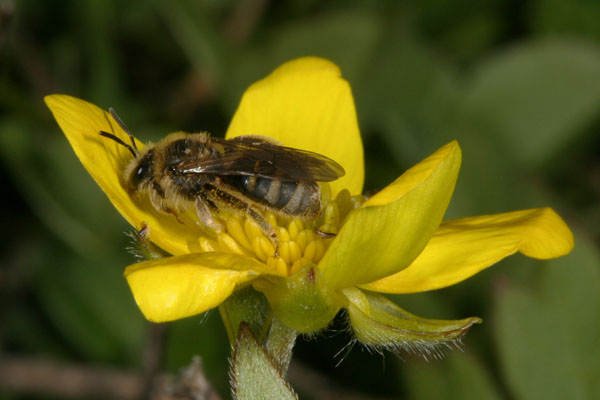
187,185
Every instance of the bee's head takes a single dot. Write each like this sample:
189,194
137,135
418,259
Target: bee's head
139,171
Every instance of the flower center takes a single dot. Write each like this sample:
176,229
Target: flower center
299,243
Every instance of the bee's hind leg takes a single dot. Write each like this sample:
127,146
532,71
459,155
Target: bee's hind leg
231,201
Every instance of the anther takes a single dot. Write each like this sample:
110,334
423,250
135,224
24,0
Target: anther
227,242
294,227
235,229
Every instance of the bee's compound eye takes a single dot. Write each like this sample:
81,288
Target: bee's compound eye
140,174
143,170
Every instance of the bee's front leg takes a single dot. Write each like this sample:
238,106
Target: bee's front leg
205,214
168,210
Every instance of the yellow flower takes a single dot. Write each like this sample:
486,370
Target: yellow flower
395,242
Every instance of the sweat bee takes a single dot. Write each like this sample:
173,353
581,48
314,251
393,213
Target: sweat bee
245,175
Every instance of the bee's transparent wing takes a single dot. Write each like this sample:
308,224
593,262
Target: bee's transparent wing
253,156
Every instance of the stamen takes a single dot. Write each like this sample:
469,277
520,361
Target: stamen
227,243
277,265
304,237
283,235
284,252
294,228
332,215
320,249
311,251
295,252
267,246
258,250
236,230
251,228
298,265
271,218
297,243
207,244
263,247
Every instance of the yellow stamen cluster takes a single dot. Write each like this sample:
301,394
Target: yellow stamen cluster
299,243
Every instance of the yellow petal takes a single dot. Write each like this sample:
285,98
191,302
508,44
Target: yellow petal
177,287
307,105
462,247
105,160
390,230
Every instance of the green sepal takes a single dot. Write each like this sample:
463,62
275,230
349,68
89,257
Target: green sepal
142,247
249,306
379,323
254,374
302,302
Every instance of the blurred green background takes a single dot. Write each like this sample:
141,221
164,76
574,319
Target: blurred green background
516,82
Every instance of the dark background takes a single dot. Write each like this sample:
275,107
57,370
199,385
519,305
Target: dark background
516,82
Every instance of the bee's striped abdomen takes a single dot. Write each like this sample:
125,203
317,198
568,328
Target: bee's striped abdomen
295,198
275,192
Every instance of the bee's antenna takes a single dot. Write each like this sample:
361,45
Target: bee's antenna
122,125
116,139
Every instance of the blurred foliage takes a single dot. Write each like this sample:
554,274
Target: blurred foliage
517,83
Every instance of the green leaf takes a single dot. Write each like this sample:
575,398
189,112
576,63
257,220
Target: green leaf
57,189
457,376
330,36
90,304
549,339
99,47
254,374
193,30
408,93
576,17
537,95
204,336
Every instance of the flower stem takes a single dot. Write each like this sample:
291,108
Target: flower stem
262,345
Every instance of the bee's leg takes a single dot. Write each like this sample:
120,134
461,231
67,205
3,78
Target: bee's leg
325,235
160,206
203,209
233,202
157,198
168,210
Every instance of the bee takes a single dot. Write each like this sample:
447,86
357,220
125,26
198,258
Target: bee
245,175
